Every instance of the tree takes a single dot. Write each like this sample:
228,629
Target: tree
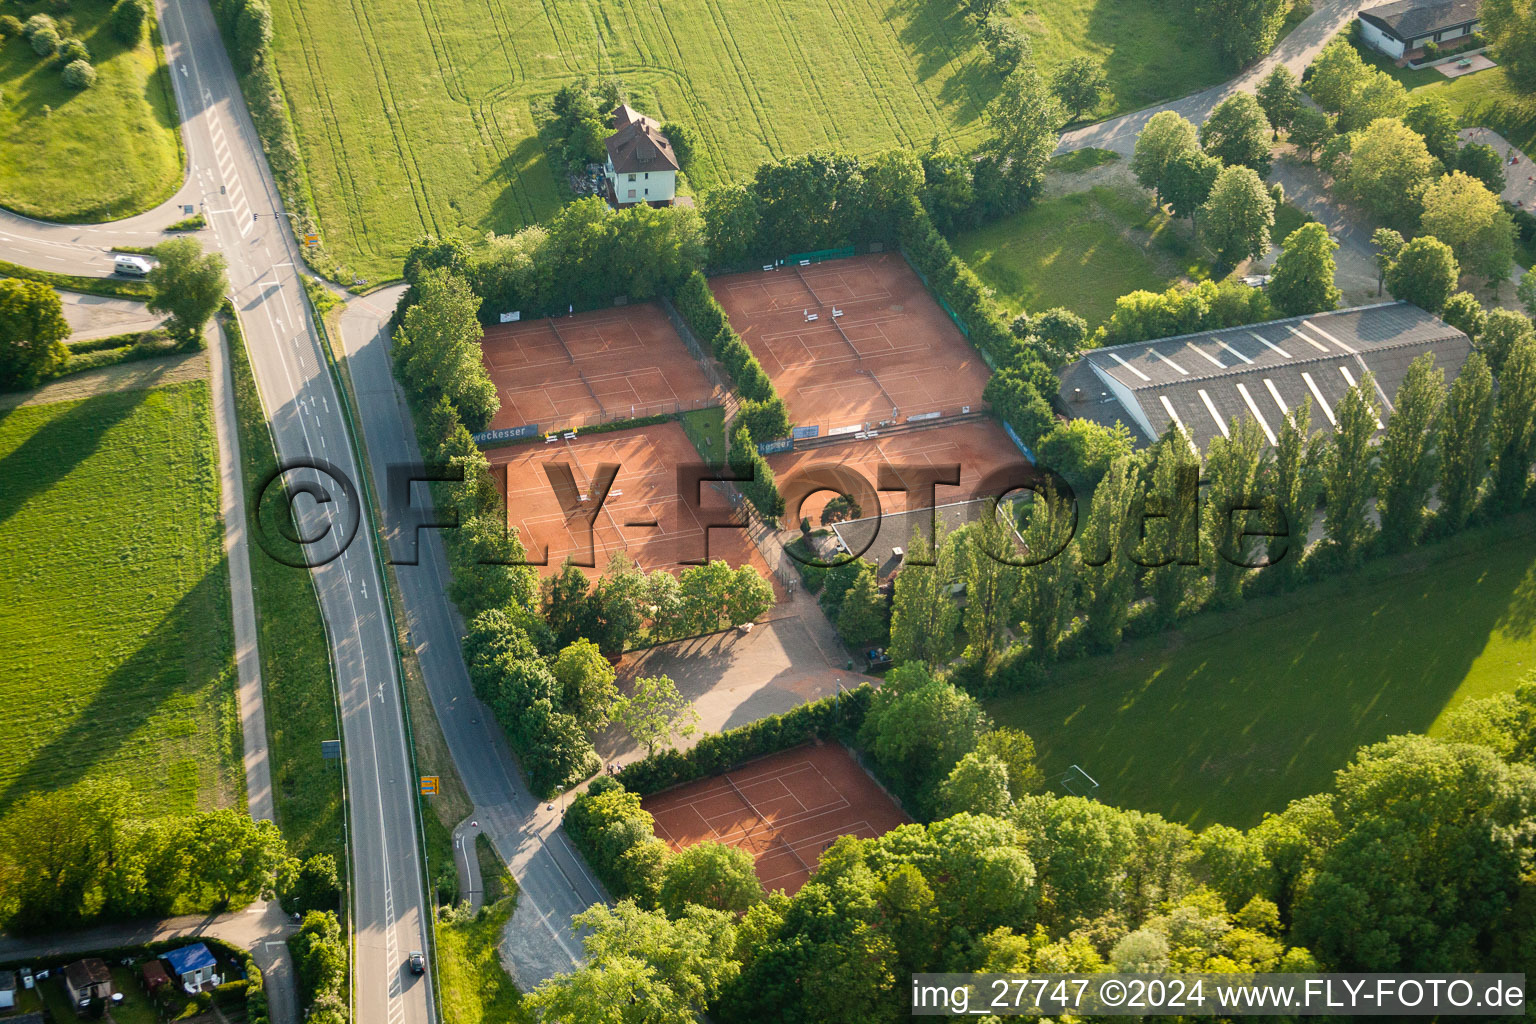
130,18
1244,30
654,712
79,74
1078,84
1168,512
1234,466
978,784
1016,751
730,224
1292,504
747,596
1378,96
586,683
1311,130
1461,212
642,967
1387,171
1187,183
1502,329
1049,581
1526,293
861,619
1303,280
923,614
991,581
1463,312
1279,97
1424,273
32,333
188,285
1166,135
918,728
1482,162
1237,132
1389,244
1514,426
1349,471
1108,575
485,556
1432,117
1446,817
437,348
1238,216
1511,27
1466,424
1408,458
1025,121
712,875
314,884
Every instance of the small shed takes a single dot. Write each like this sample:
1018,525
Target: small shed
193,967
7,990
153,976
87,979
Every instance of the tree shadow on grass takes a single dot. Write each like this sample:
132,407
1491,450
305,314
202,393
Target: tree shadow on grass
186,652
53,451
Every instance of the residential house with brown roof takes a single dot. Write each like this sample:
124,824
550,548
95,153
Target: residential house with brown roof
641,166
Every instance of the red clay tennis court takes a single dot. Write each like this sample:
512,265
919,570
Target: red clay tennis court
892,353
643,513
609,364
979,447
784,809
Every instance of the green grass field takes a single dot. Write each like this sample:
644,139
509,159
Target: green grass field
418,118
116,657
295,656
1082,250
107,152
1239,713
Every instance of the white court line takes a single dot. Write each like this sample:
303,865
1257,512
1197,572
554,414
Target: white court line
1235,352
1253,407
1210,407
1269,344
1203,354
1154,352
1274,393
1318,394
1128,366
1330,337
1315,344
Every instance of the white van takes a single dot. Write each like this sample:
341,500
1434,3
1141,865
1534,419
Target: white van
132,266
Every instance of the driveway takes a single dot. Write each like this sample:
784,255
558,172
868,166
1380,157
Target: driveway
262,928
100,316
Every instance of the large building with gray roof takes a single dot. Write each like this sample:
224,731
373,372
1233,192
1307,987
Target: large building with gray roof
1259,372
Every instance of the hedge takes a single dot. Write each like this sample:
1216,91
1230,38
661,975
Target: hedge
696,304
835,717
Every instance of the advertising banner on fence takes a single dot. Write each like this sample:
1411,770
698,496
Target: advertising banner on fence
804,433
506,434
782,444
512,317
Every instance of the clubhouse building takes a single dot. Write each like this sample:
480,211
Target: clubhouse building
1402,29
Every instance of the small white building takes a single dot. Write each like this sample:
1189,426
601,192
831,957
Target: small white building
641,165
1401,29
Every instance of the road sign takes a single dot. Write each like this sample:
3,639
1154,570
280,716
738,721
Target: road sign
330,750
311,239
429,785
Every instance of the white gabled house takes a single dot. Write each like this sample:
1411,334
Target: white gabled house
641,166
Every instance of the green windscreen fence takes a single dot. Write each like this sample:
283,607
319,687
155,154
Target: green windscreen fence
819,255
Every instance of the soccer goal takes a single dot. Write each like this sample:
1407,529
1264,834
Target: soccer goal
1078,782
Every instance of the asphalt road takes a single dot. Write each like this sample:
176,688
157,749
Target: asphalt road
554,881
228,177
